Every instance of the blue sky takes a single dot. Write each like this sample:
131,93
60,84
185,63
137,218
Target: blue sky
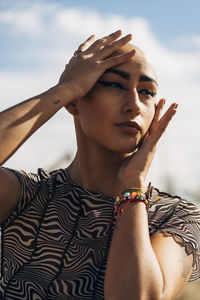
170,21
38,38
168,18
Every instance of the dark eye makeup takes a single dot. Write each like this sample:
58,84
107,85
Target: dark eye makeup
112,84
119,85
147,92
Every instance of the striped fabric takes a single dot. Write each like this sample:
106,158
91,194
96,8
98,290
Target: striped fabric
55,244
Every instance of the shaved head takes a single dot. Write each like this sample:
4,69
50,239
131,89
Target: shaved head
139,57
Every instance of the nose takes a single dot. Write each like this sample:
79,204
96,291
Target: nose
132,103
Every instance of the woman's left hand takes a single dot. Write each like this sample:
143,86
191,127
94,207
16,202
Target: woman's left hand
135,168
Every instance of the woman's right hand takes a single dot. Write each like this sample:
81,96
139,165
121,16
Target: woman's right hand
91,61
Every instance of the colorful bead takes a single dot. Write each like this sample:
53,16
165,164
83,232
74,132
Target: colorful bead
127,194
133,194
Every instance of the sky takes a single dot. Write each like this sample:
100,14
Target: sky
39,37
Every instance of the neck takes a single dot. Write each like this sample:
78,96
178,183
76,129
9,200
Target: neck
96,168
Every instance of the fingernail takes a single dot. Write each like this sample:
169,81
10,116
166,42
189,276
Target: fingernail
175,105
118,31
129,36
163,102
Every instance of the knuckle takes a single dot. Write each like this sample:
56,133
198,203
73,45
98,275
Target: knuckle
97,64
102,40
108,48
112,46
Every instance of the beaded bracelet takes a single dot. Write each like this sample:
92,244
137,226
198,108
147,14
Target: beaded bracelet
128,196
133,195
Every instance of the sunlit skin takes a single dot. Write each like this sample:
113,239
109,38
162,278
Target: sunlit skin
114,100
111,93
99,116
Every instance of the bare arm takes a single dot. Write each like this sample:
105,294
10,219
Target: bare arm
19,122
140,267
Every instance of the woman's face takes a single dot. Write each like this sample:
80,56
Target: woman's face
118,111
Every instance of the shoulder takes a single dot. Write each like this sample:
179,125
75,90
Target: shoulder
180,218
31,179
22,189
10,191
164,206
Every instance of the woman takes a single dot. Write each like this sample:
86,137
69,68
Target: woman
63,234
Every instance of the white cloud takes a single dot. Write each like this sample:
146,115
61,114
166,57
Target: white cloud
190,42
60,31
26,21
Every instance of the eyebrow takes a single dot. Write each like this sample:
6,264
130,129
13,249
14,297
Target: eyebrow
121,73
127,76
147,78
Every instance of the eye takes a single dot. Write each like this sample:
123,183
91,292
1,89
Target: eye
112,84
147,92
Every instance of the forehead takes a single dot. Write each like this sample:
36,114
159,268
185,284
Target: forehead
138,65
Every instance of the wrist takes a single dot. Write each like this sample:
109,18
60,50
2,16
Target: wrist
133,183
65,93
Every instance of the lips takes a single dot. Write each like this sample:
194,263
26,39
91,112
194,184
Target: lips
129,127
129,124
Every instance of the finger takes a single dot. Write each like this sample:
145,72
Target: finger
163,123
118,59
158,111
98,44
86,44
113,47
159,108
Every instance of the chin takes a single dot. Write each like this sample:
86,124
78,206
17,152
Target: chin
125,149
130,150
130,145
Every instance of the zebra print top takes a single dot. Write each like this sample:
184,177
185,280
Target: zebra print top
55,243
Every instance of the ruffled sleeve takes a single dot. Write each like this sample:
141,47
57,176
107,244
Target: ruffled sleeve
181,219
30,184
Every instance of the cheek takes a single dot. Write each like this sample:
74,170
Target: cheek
93,116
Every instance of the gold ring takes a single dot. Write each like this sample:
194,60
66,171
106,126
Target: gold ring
76,52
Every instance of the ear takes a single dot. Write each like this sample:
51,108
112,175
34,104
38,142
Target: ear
72,108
